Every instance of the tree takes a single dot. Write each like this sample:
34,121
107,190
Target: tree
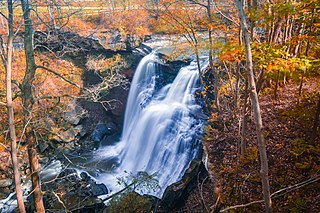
28,101
6,56
184,22
256,108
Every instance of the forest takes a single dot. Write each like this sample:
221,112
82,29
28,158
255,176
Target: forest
159,106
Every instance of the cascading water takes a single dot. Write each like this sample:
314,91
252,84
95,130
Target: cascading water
159,129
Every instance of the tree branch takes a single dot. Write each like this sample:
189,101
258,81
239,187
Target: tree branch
59,75
2,103
225,16
198,3
60,201
3,15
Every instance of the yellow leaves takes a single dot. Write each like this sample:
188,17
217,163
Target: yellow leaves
214,117
230,56
231,53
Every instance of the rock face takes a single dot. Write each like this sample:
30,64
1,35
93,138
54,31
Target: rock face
176,194
102,130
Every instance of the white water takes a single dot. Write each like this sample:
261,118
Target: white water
159,131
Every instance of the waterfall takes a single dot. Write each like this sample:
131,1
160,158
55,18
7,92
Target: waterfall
159,130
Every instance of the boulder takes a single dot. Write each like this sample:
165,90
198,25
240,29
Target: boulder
98,189
95,189
175,195
103,129
5,182
110,139
74,114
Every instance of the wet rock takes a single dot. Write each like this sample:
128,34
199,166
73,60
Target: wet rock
118,107
197,112
103,129
175,195
98,189
143,50
95,189
84,176
51,171
43,146
110,140
6,182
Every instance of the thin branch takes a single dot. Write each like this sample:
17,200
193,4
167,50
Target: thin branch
60,201
3,15
275,194
2,103
201,193
23,131
59,75
119,192
242,205
225,16
198,3
296,186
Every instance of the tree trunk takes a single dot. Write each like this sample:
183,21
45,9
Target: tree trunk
243,143
275,36
260,81
215,71
14,155
256,110
28,101
298,46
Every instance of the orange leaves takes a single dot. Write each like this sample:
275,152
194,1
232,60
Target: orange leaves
134,22
82,27
51,85
230,56
231,52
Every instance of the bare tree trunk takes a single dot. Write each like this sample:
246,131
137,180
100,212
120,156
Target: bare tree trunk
14,154
243,143
28,101
261,80
215,71
275,36
256,110
298,47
